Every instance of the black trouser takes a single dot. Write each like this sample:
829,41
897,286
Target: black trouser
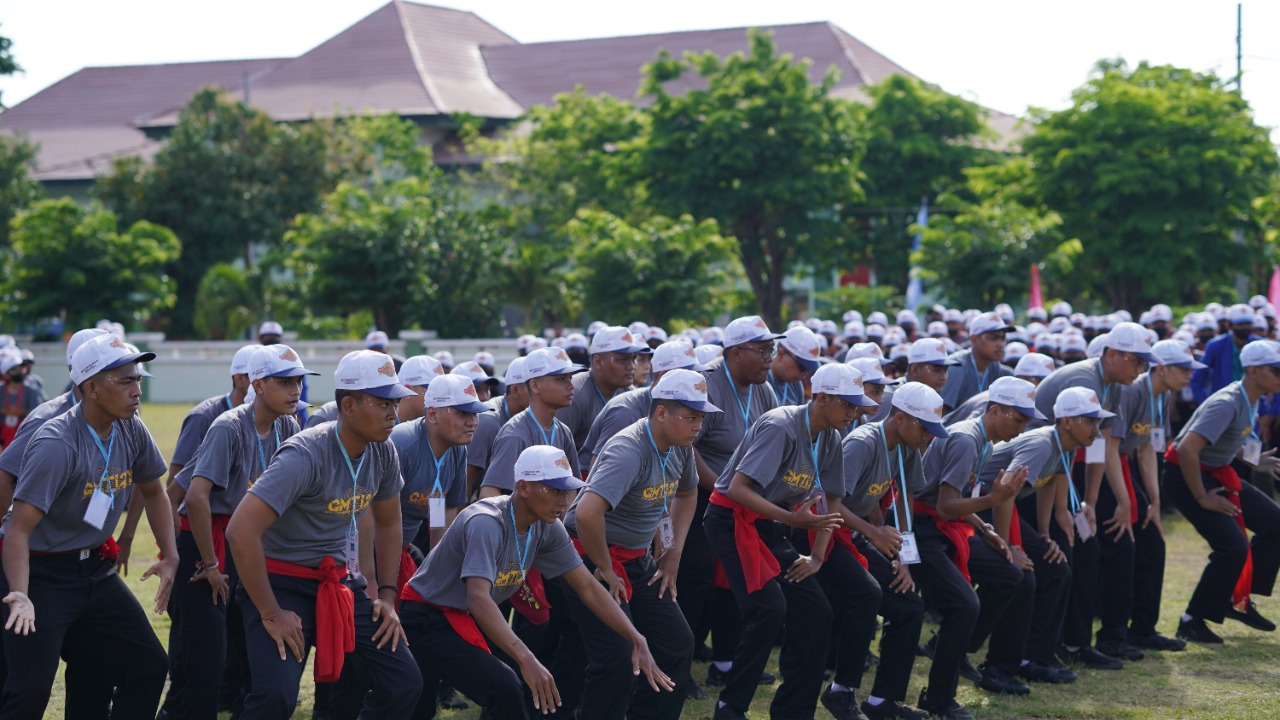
707,609
1113,592
1148,569
1086,570
799,609
1053,587
393,675
608,679
446,658
1001,607
557,645
1212,596
903,614
85,603
855,599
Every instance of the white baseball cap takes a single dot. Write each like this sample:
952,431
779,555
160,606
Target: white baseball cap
655,333
871,371
596,327
953,316
549,361
1096,345
987,322
877,318
104,352
522,342
1160,311
708,354
930,350
685,387
907,317
1239,313
875,330
80,338
575,341
445,357
615,339
937,329
547,465
804,346
866,350
276,361
537,343
675,354
240,361
1034,364
713,336
1015,351
370,372
1261,352
1037,313
471,369
1257,301
1005,311
1062,308
270,327
854,330
842,381
515,373
1016,393
899,351
1130,337
484,358
420,370
455,391
376,339
1079,402
1176,353
1074,343
9,360
750,328
923,403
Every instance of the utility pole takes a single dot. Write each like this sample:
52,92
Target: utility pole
1239,46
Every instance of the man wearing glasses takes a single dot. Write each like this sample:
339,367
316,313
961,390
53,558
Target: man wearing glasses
613,369
928,364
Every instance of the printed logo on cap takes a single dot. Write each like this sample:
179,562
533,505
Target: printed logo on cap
470,390
289,355
561,355
563,463
387,369
701,385
116,343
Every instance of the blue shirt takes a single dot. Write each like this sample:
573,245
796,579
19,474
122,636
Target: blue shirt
1221,356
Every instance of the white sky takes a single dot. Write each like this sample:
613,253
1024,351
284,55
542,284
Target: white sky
1005,54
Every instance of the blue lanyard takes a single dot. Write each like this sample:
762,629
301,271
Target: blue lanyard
547,439
227,398
1157,419
354,470
1252,407
813,450
1073,500
982,456
786,390
746,412
1106,389
982,376
436,490
106,459
599,394
521,555
505,410
902,475
662,463
262,453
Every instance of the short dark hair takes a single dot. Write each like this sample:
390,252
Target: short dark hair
672,406
340,395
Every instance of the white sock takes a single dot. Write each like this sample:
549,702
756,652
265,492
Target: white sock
1071,648
837,687
720,704
723,666
1187,618
874,701
1024,663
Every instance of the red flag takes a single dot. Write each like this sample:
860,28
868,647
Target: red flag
1273,293
1035,301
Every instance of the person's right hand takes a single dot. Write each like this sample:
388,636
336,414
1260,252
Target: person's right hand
886,539
219,584
1054,554
1020,559
1066,523
1008,483
1215,501
542,685
612,583
803,517
286,629
22,613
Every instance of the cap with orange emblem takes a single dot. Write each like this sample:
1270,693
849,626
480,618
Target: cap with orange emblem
370,372
454,391
104,352
276,361
685,387
547,465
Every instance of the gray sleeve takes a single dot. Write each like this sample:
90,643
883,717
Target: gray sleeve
1114,400
959,457
148,463
389,480
762,456
832,470
1034,456
688,478
484,540
194,427
47,469
286,479
213,459
478,450
955,381
502,461
457,495
610,422
32,399
1130,411
11,457
571,416
315,418
615,471
555,555
1212,419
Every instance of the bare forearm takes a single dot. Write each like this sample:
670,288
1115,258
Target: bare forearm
133,515
682,510
1047,498
161,522
17,561
201,519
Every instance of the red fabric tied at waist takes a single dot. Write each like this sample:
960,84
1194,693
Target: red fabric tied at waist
335,613
1228,479
843,536
219,536
617,556
461,622
1015,529
108,550
718,578
957,531
531,599
407,568
1128,486
759,566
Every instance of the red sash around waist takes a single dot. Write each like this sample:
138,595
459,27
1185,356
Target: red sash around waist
407,568
957,531
531,599
461,622
335,613
108,550
1128,486
843,536
219,536
1228,479
617,556
759,566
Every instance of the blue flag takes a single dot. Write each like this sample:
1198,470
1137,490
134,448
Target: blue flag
913,282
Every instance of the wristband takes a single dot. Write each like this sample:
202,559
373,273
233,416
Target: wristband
392,588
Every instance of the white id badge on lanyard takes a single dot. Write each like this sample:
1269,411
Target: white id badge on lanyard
1157,440
666,532
909,554
819,507
1252,450
1095,454
1083,530
99,506
435,507
353,549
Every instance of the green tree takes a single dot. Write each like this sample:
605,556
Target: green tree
225,304
17,189
762,150
658,270
8,66
1154,170
228,179
73,263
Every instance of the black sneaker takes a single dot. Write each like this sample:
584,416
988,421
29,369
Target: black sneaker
892,710
968,671
716,677
1038,672
998,681
449,699
1252,618
1194,630
1122,650
1090,658
695,692
953,711
1156,641
702,653
725,712
1067,674
926,650
841,704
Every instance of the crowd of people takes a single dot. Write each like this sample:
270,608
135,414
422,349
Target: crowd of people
572,535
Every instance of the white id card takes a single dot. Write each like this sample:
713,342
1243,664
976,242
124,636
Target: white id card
666,533
821,506
1083,530
1252,450
1095,454
435,507
1157,440
909,554
353,550
11,421
99,506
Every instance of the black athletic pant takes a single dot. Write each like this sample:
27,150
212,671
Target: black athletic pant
87,604
1086,567
799,609
1000,608
1117,560
1148,570
557,645
446,658
854,596
394,676
707,608
608,681
1053,587
1212,596
903,614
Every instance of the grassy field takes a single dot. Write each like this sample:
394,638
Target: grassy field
1240,679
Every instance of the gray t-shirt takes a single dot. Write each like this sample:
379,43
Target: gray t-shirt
1036,450
1136,418
870,471
587,403
787,393
955,460
63,466
1086,374
18,405
1225,420
964,381
628,474
11,458
520,432
418,468
195,425
482,543
968,410
310,487
487,426
232,457
620,412
778,455
722,432
327,412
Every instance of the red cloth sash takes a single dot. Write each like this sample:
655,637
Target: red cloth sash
1128,486
718,578
108,550
461,622
759,566
843,536
1015,529
219,536
957,531
407,568
531,599
335,613
617,556
1227,477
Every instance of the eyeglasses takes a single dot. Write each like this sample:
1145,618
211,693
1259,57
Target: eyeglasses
125,380
625,360
766,352
557,494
